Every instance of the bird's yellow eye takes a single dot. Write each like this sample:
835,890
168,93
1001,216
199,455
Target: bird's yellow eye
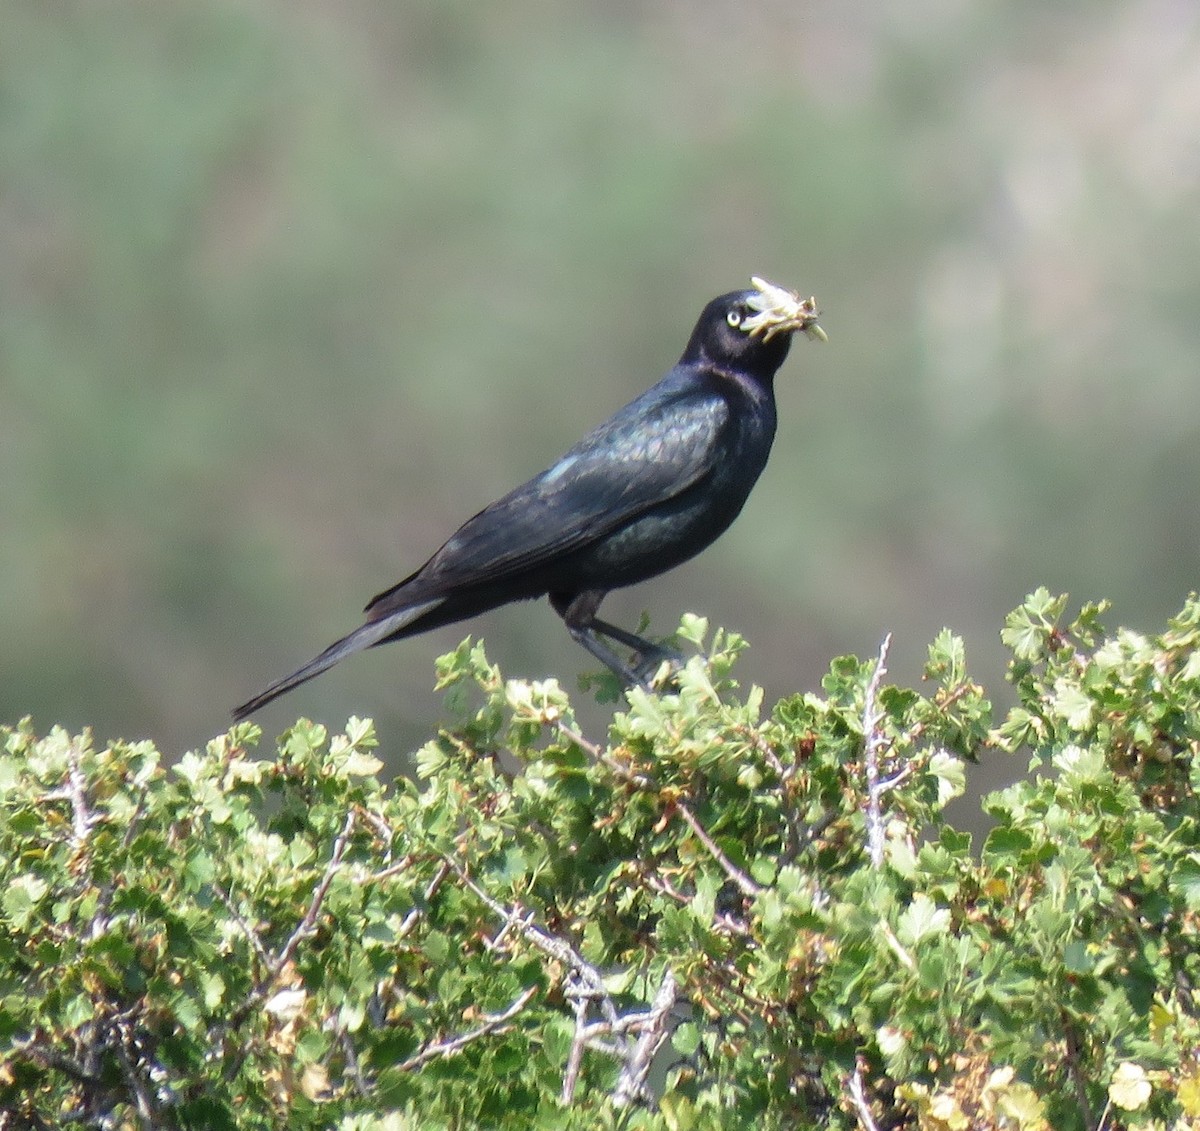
734,318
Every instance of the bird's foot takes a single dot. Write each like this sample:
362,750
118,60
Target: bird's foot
656,665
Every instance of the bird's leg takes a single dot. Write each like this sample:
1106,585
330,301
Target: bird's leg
579,615
578,612
628,675
650,655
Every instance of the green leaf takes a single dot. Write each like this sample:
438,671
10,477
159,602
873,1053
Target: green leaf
1027,630
763,870
1184,880
686,1038
921,919
693,630
1076,958
1072,703
20,897
1005,842
950,773
947,658
703,903
678,1112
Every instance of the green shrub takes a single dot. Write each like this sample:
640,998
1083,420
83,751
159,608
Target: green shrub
723,916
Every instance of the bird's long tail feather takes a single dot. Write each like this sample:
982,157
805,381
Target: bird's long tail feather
366,636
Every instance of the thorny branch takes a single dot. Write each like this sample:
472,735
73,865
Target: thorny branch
586,991
651,1025
495,1023
874,741
304,928
1075,1071
744,883
580,999
75,791
248,930
604,758
631,1085
545,942
308,924
858,1097
82,821
276,965
798,833
431,889
149,1110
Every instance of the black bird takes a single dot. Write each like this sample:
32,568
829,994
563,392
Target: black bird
648,489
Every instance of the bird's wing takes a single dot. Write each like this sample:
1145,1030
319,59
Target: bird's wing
650,451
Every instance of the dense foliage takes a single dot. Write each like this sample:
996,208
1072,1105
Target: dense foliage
723,915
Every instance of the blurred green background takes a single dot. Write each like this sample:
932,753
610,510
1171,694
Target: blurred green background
288,290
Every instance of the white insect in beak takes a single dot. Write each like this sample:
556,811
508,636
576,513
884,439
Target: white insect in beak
781,311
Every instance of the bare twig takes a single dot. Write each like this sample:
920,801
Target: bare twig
276,965
858,1097
896,945
47,1056
943,703
250,933
897,779
604,758
383,830
631,1084
581,1002
663,886
304,928
398,869
544,941
873,744
149,1111
585,990
492,1023
650,1024
1076,1073
496,943
745,884
354,1072
767,752
727,924
586,986
308,924
82,818
74,793
418,912
797,830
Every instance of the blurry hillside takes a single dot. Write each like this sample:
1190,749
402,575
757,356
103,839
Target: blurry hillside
289,290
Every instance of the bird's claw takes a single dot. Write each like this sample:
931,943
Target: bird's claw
656,666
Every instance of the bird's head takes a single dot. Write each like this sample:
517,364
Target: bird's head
752,330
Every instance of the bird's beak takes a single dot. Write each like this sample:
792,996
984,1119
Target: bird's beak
780,311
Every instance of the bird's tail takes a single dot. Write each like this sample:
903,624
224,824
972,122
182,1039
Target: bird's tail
368,635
